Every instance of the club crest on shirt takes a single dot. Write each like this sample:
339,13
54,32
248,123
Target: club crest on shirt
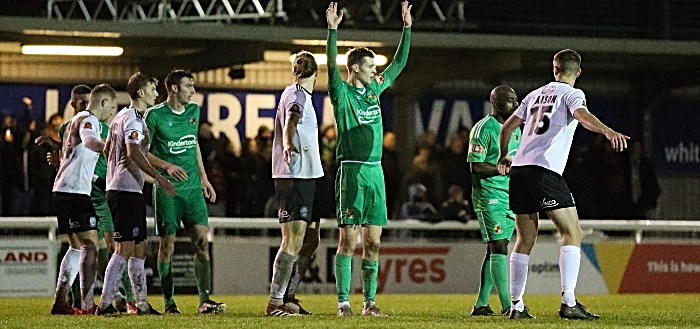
516,138
134,135
476,148
372,96
87,125
192,121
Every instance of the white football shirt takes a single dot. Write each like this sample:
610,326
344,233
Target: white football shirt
548,113
129,127
307,163
77,165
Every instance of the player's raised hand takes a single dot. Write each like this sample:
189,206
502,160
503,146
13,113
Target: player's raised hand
406,14
208,191
617,140
332,16
503,165
177,172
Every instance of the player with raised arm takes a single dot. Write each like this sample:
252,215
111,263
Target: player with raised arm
360,195
490,198
174,126
71,193
550,114
296,164
126,147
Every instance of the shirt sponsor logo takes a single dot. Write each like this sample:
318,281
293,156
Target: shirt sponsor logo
371,114
476,148
185,142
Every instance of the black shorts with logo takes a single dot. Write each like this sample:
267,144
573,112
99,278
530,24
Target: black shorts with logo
295,199
75,213
534,189
128,214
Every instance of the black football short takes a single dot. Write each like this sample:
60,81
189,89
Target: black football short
534,189
75,213
128,214
295,199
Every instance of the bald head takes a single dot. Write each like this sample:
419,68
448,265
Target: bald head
504,101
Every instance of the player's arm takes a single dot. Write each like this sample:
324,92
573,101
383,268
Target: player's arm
590,122
335,80
401,56
133,153
207,188
479,142
88,134
295,111
509,126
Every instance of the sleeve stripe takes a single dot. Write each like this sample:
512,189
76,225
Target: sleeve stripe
478,127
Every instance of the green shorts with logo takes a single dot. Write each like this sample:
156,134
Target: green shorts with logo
496,224
187,206
99,202
360,194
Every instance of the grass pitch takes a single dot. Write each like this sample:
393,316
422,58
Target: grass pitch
406,311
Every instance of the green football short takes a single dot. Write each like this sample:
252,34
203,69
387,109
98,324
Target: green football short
496,224
360,194
187,206
99,202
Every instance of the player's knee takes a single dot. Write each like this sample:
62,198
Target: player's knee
498,247
371,246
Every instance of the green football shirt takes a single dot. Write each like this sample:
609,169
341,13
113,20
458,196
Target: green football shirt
357,111
101,165
173,138
489,191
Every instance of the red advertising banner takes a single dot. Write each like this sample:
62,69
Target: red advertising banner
662,268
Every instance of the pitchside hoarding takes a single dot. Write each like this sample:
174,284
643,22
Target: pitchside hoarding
27,267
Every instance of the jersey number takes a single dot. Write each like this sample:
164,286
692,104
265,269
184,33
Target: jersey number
541,123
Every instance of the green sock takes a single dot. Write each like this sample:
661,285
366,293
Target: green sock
369,279
343,276
126,282
165,272
499,273
486,283
202,272
102,261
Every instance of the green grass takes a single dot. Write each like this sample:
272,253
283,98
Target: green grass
406,311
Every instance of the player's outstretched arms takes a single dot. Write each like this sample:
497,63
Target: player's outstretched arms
590,122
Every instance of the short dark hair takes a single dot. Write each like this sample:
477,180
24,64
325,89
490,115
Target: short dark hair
569,60
176,76
80,90
137,82
304,64
102,90
355,55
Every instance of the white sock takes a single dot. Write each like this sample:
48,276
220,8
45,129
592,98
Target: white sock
70,265
113,275
137,275
88,272
341,304
281,273
569,263
518,278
